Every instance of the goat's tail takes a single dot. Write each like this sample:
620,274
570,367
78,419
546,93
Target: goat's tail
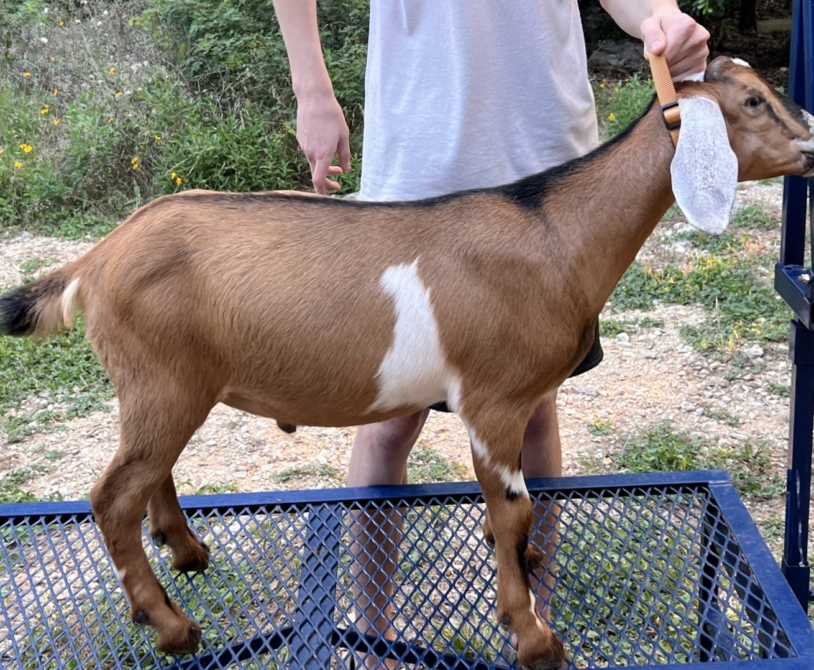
42,307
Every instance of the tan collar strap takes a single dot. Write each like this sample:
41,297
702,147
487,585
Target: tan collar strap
666,94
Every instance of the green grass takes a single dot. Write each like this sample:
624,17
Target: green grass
659,448
600,427
426,466
741,305
62,372
752,216
611,327
722,415
308,471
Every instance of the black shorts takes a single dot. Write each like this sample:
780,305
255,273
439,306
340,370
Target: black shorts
591,360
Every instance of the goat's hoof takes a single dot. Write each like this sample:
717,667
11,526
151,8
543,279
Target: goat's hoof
287,427
187,642
552,659
140,618
194,557
534,558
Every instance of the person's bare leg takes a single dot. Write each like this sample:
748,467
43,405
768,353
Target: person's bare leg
379,458
542,457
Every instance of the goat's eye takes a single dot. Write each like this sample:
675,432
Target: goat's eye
754,102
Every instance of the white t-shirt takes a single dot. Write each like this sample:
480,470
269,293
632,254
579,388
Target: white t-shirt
472,93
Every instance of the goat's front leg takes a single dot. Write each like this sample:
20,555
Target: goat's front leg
496,449
168,525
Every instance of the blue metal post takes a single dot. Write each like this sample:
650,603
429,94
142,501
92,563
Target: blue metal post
794,283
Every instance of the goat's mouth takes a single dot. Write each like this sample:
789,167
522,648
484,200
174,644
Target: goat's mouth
808,163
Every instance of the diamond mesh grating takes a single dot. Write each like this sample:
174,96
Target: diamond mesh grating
644,575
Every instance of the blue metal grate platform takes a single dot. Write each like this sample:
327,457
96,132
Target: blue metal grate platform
649,570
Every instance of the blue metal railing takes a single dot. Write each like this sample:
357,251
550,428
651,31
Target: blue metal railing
657,570
794,281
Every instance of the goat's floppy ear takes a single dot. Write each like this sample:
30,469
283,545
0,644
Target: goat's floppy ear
704,168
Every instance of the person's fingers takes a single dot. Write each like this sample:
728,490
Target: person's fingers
343,152
319,174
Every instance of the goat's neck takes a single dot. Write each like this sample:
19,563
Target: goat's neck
612,203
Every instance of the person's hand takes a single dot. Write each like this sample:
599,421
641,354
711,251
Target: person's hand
322,134
682,41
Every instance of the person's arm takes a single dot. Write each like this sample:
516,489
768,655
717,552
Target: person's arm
664,29
321,128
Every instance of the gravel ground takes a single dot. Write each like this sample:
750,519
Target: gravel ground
646,377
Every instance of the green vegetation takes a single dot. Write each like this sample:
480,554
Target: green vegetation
610,327
752,216
104,106
659,448
41,382
620,104
309,471
426,466
741,307
599,427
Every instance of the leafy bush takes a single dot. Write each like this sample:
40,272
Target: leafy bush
620,104
105,105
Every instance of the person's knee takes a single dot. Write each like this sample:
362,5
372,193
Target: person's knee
544,418
380,450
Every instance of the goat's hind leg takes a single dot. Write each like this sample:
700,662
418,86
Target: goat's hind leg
496,449
168,525
156,424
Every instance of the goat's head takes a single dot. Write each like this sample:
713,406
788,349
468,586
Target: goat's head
735,127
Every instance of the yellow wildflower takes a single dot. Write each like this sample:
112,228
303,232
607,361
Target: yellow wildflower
18,164
134,162
26,147
110,120
61,22
602,84
56,122
112,70
616,90
119,94
178,181
158,138
172,175
611,116
26,74
53,59
2,150
56,90
45,109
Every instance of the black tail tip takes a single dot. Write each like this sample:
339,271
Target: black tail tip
16,315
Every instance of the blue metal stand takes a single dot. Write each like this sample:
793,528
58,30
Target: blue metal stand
654,571
794,282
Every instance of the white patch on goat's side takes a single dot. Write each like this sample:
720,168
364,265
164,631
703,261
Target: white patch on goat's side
119,574
414,370
740,61
67,303
513,480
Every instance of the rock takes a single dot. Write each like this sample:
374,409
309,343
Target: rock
755,351
623,54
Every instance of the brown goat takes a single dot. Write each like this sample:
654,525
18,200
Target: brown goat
321,311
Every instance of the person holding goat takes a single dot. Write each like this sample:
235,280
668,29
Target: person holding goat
460,96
